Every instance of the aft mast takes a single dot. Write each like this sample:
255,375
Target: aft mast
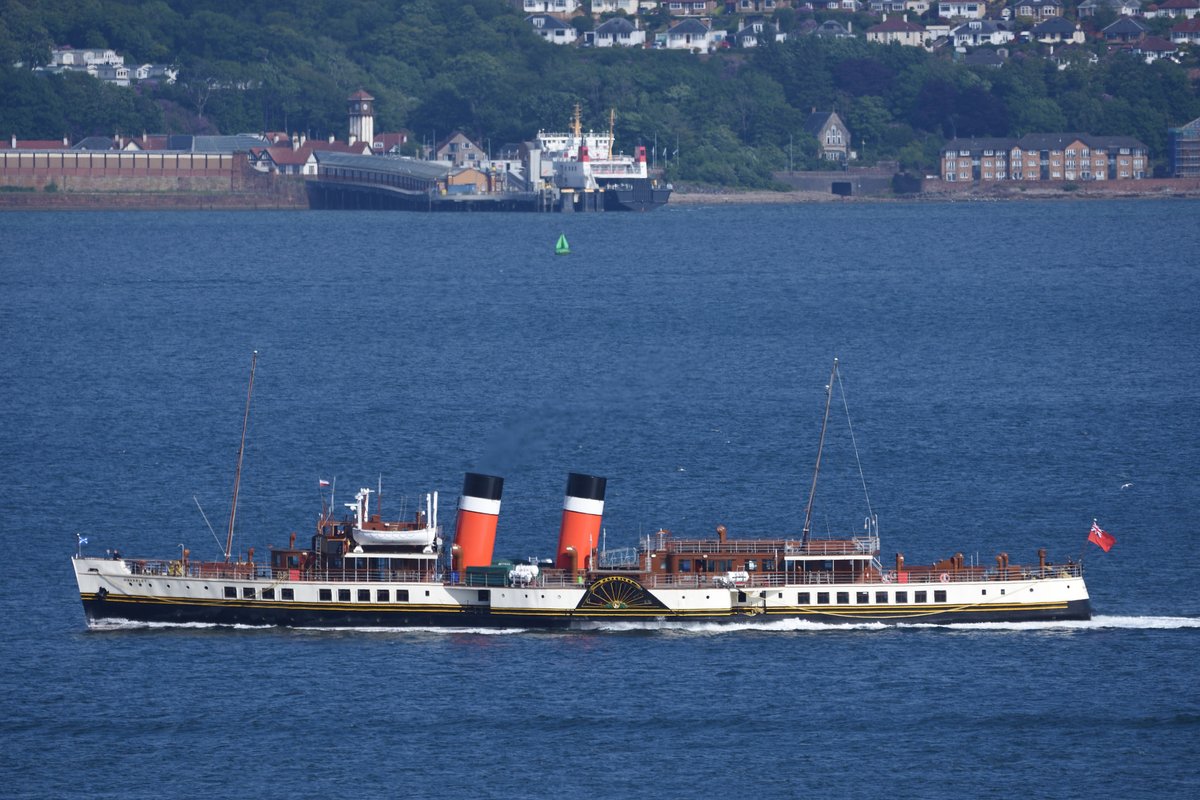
237,477
820,446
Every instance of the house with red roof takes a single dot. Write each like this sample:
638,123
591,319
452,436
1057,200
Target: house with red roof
899,30
34,144
1186,32
1152,48
1175,9
299,157
392,142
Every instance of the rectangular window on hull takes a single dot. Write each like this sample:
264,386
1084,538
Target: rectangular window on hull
881,597
939,596
862,597
843,598
231,592
803,598
485,595
901,597
288,594
920,597
268,594
823,598
248,592
383,595
364,595
326,594
343,595
402,595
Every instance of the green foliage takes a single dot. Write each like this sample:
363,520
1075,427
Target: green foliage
435,66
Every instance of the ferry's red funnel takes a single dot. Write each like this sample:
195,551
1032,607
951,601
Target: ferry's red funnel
478,513
583,509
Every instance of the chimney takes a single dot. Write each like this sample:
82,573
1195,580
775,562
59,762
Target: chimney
303,138
583,510
14,141
478,513
332,140
295,142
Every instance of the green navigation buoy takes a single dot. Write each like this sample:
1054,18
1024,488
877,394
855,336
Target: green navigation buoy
562,248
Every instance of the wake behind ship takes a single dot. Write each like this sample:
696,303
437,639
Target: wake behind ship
360,570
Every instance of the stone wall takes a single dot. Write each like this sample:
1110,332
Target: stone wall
148,180
853,182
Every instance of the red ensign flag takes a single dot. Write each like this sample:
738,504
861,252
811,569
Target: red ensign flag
1101,538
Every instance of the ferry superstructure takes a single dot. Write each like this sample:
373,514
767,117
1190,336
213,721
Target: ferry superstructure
589,174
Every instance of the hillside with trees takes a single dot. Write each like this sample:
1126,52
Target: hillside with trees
434,66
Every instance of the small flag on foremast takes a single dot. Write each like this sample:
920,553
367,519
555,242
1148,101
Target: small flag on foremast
1101,538
322,482
82,539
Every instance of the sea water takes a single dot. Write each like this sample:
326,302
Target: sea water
1008,373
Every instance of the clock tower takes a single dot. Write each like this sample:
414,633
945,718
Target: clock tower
362,117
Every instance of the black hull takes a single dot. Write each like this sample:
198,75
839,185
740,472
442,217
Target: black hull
641,195
276,614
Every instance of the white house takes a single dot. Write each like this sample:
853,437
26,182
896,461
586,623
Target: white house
630,7
962,9
618,32
980,32
1122,8
550,6
552,29
1176,9
898,29
690,34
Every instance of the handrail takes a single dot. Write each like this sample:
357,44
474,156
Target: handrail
853,546
560,578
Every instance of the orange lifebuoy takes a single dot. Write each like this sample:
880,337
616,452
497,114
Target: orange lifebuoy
944,578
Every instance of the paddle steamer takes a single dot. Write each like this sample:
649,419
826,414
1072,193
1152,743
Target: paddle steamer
359,570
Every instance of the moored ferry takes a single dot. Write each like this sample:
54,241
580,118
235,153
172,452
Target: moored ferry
359,570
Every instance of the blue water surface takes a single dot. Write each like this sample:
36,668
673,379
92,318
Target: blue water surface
1011,372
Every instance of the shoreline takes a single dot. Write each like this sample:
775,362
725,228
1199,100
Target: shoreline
249,201
973,195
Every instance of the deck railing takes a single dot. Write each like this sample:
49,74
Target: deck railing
857,546
561,578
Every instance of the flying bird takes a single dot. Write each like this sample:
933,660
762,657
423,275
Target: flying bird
1126,485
